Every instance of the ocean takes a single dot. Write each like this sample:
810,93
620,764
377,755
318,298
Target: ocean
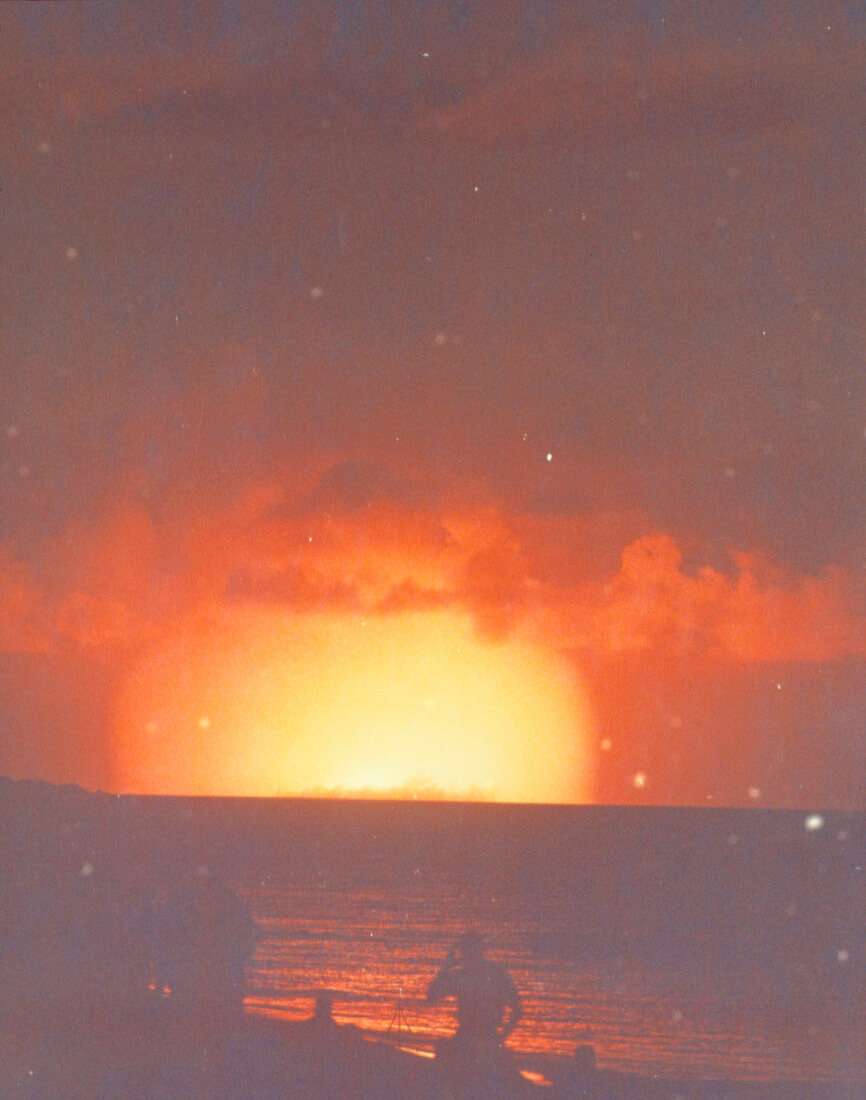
699,943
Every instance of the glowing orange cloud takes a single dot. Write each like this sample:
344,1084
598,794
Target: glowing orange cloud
301,641
131,580
759,614
22,627
264,703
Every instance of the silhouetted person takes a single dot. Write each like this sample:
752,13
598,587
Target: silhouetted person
322,1029
230,933
579,1079
488,1005
209,936
324,1005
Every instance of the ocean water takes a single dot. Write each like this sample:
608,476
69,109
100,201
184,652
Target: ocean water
699,943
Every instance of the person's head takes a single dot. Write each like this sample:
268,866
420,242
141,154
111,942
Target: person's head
324,1004
471,946
584,1058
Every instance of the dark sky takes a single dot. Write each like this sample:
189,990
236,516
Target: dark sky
552,314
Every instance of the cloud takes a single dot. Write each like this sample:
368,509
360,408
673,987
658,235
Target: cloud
67,68
355,484
409,597
89,623
757,614
805,619
629,83
122,582
496,584
22,627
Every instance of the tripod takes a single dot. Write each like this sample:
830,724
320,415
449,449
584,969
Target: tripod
398,1020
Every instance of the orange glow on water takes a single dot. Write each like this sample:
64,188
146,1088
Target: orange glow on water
402,705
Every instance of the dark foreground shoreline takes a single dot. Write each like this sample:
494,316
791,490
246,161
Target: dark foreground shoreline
162,1055
60,1040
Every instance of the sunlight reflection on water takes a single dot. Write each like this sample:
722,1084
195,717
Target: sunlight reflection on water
378,951
644,932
